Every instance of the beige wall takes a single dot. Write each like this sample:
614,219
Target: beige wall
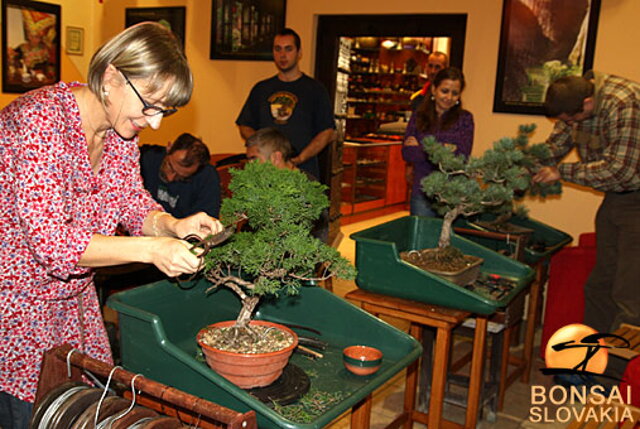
221,86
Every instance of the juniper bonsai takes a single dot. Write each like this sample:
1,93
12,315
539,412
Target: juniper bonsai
275,254
490,182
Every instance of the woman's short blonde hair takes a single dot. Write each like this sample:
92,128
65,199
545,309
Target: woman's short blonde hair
147,50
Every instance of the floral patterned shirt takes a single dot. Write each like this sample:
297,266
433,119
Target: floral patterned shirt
51,203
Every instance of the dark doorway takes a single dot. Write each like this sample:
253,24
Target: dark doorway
331,28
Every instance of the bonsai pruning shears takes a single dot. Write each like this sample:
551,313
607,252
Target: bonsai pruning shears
305,344
312,342
210,242
213,240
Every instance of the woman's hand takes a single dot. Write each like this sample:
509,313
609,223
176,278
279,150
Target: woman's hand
199,224
411,141
173,256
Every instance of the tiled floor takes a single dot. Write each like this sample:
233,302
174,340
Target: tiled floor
388,400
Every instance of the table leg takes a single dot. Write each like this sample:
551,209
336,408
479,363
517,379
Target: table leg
361,414
476,377
439,376
532,322
504,365
411,383
428,340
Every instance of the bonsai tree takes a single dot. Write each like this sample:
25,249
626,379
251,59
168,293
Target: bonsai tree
276,253
490,182
533,154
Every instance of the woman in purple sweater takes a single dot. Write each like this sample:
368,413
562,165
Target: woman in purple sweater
440,115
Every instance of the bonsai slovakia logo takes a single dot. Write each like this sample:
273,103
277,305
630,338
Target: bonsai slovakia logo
579,354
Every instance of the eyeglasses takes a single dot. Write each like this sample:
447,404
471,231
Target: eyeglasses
149,109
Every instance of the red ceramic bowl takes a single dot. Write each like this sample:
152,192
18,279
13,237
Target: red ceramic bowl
362,360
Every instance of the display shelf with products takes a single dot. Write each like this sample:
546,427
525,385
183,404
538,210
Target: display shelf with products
381,82
375,79
361,49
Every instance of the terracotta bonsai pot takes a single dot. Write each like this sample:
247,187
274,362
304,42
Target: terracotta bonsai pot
247,370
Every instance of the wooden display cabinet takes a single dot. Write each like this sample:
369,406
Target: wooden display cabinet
373,179
373,92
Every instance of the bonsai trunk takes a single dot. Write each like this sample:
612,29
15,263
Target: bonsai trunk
248,305
447,226
234,283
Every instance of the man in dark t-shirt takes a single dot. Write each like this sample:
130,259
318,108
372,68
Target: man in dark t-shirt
180,178
292,102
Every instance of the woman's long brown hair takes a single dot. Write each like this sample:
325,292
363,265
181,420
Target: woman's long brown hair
426,115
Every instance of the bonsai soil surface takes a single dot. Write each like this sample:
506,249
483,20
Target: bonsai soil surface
253,340
448,259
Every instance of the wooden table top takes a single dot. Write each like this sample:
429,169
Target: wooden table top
444,314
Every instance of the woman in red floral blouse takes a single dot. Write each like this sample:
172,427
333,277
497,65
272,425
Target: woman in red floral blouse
69,175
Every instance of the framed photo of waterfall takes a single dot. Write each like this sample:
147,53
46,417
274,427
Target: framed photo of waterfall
540,42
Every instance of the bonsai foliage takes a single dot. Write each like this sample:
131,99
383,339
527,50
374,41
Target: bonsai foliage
533,155
276,253
490,182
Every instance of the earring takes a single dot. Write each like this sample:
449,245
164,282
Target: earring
457,101
432,98
105,92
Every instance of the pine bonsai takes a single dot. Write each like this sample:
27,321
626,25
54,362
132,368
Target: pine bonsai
276,253
532,162
489,183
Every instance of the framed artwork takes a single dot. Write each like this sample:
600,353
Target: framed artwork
540,42
75,41
244,29
171,17
30,45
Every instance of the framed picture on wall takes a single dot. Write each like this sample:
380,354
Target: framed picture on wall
244,29
540,42
30,45
171,17
75,41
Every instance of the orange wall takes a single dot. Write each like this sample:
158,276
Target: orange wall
221,86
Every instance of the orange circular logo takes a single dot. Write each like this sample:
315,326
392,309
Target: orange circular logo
572,350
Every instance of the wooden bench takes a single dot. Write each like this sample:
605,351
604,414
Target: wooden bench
632,334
